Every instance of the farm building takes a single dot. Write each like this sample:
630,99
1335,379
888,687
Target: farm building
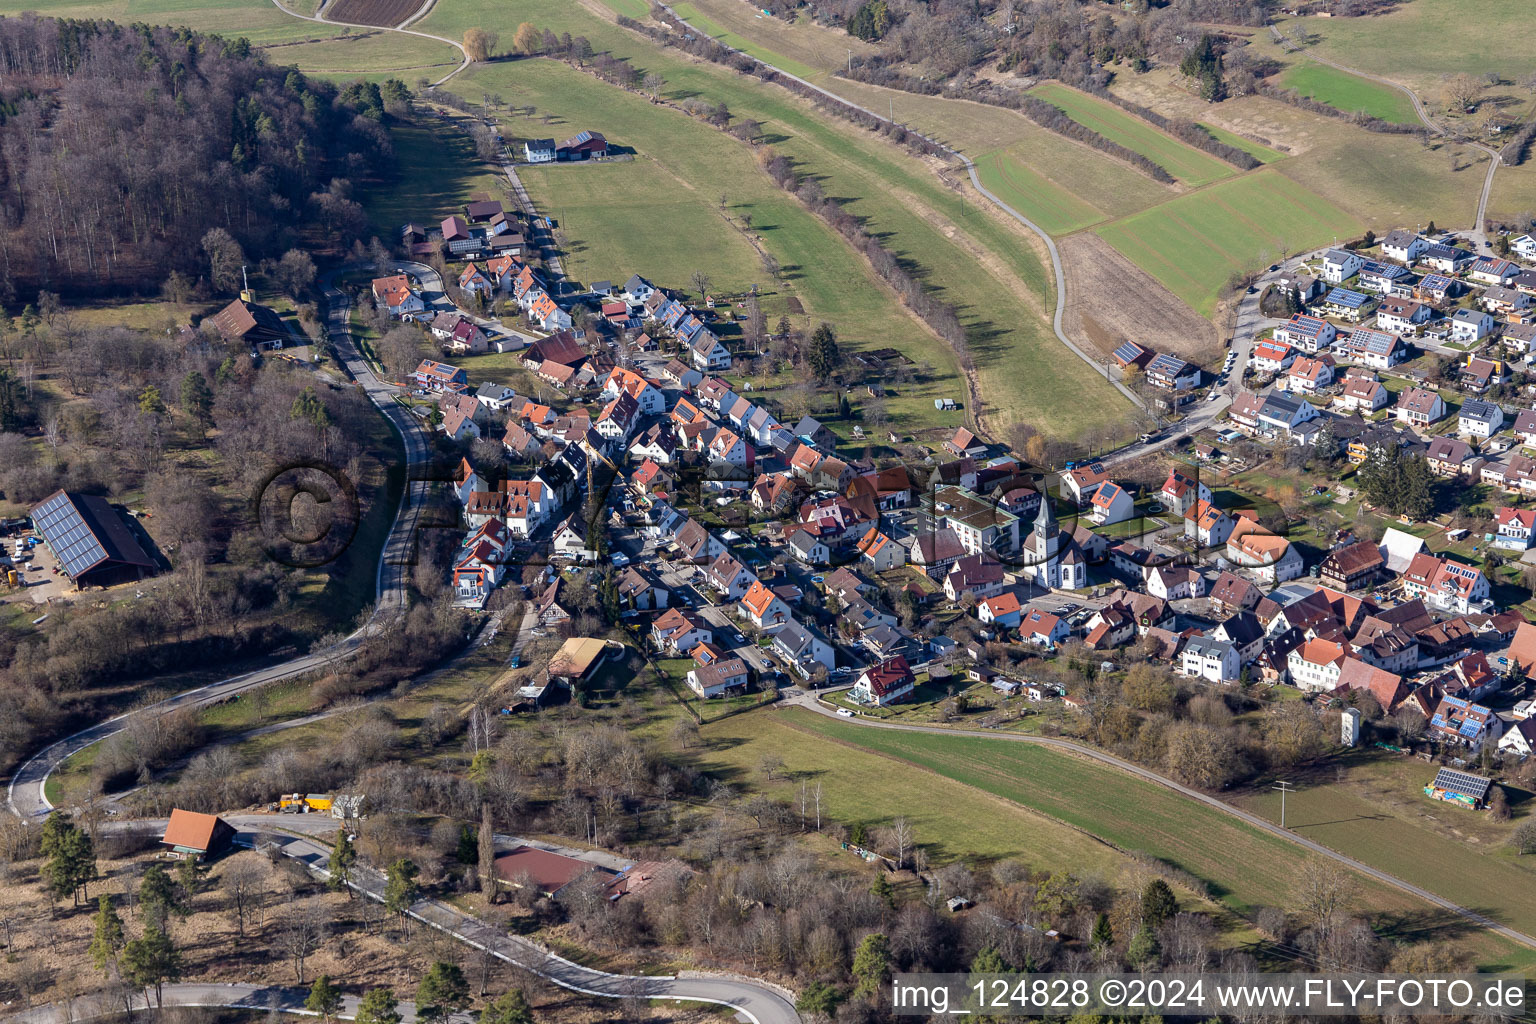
1459,788
583,146
92,542
203,836
540,870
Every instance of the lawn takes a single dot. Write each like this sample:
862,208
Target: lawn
1048,204
438,172
1349,93
1376,812
1263,154
1423,40
366,54
1244,867
1193,244
644,215
802,47
689,13
1184,162
260,21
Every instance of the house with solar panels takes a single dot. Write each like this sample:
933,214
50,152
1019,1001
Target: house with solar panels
1464,723
1457,787
582,146
92,542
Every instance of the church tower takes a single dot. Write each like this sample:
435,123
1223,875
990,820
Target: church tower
1047,530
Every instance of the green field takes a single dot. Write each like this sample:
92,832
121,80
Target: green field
1263,154
261,22
1349,93
1043,201
1245,867
698,20
1189,165
372,55
1429,38
1193,244
438,173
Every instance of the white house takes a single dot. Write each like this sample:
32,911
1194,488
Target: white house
1339,265
709,352
1479,419
1111,504
539,151
1205,657
1467,325
1420,407
637,289
1043,629
1517,528
395,296
762,607
1524,247
1404,246
1002,609
718,678
804,648
889,682
1180,492
1315,665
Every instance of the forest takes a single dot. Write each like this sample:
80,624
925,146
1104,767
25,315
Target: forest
121,147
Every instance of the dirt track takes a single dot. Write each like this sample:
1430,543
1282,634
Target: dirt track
385,13
1128,304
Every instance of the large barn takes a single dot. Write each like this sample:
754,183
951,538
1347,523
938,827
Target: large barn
90,539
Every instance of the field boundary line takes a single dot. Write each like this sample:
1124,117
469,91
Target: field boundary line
385,28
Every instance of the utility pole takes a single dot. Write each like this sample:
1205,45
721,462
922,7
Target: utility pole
1284,788
850,60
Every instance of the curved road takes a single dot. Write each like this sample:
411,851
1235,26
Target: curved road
809,701
26,796
417,16
1422,112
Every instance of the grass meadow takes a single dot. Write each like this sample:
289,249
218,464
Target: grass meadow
1186,163
1263,154
1349,93
1193,244
1037,197
438,173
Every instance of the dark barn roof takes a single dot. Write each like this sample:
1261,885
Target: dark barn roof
88,536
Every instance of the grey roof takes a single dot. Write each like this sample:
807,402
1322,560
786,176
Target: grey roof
1481,411
1337,255
541,144
1468,315
1208,646
1400,237
635,283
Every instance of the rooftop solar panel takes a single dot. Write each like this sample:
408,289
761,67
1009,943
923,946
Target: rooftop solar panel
1473,786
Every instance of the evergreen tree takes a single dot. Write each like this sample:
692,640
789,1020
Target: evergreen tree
819,998
822,354
782,329
324,998
379,1006
308,407
71,863
871,964
1144,950
988,961
151,961
468,851
442,993
1157,903
159,896
189,875
108,941
1103,935
197,400
883,891
150,401
343,856
400,889
508,1008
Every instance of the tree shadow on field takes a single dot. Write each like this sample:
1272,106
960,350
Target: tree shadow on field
1434,924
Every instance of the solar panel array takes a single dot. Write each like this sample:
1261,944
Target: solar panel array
1474,786
68,535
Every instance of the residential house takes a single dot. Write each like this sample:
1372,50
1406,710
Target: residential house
1448,456
539,151
1363,394
1378,350
1282,414
1174,582
1402,316
1339,265
678,631
1387,687
879,552
457,237
1445,584
432,375
1171,373
761,606
459,425
1271,357
1304,332
1270,558
1478,374
1111,503
1347,304
728,577
1309,373
1403,246
1520,738
618,418
1436,289
1381,277
1245,633
1315,665
1516,528
718,678
964,443
395,295
1080,482
496,397
548,315
1207,524
649,397
1445,258
1492,270
1232,593
1505,303
1180,492
1479,419
472,281
1209,658
1419,407
804,648
1525,426
808,548
1524,247
641,589
978,575
1470,325
1131,353
889,682
1000,609
1042,629
1464,723
709,353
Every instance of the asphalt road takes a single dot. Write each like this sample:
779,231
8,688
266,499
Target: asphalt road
809,701
230,995
26,796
